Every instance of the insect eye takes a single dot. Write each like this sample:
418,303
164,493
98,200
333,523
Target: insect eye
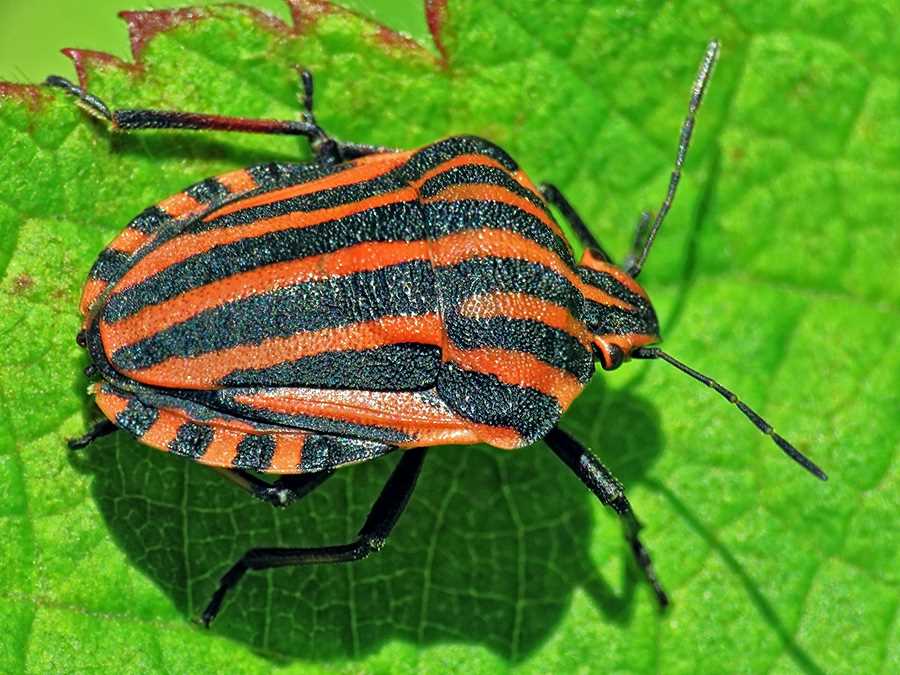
610,356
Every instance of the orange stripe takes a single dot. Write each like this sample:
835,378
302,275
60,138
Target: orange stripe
429,422
405,411
109,403
93,289
523,306
288,453
355,174
187,245
523,180
128,241
597,295
466,433
589,260
459,160
205,371
237,181
163,430
520,369
376,157
627,343
468,244
359,258
180,204
485,191
223,447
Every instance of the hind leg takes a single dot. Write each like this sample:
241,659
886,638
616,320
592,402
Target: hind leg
381,520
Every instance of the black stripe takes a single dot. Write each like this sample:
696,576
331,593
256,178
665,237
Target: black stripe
611,286
191,440
442,151
328,452
551,345
422,161
611,320
400,367
207,191
478,174
272,175
149,220
314,201
448,217
505,275
395,222
406,289
484,399
137,417
110,265
254,452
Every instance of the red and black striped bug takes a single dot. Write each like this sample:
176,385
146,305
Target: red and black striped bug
291,319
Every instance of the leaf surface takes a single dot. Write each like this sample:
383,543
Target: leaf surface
773,273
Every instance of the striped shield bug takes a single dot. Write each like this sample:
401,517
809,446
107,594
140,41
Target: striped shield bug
294,318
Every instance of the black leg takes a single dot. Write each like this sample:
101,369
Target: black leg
326,149
553,196
381,520
284,491
609,491
102,428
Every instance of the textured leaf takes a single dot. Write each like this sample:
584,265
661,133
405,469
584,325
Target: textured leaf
773,272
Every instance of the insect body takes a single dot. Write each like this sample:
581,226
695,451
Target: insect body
295,318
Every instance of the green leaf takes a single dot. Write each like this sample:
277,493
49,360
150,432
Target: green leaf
773,273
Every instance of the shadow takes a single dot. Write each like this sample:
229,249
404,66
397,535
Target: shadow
489,551
803,660
180,145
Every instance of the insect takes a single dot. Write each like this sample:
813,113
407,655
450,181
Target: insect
291,319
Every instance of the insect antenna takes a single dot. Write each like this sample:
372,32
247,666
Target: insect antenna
752,415
634,264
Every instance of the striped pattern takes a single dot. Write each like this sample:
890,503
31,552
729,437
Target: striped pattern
400,299
616,310
123,251
212,438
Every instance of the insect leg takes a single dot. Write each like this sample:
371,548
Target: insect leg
325,148
102,428
552,194
284,491
381,520
609,491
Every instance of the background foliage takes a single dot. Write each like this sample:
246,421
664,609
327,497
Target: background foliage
773,273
